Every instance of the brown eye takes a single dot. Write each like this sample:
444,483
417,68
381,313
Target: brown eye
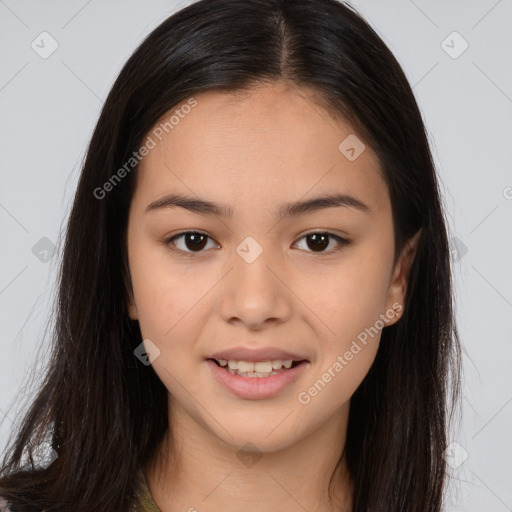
318,242
189,241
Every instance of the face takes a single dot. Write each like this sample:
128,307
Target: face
315,285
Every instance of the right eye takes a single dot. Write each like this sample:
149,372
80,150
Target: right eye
190,241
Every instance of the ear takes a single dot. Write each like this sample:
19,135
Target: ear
130,301
128,290
398,285
132,308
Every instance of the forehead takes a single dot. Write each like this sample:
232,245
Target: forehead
269,144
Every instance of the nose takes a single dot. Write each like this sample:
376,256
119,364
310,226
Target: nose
255,294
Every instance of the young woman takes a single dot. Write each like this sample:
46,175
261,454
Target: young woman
255,306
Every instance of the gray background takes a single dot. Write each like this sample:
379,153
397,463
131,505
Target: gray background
49,107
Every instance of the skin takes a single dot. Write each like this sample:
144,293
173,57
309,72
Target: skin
255,152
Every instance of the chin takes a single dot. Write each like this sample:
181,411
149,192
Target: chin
257,435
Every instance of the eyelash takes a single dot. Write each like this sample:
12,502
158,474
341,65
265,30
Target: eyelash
343,242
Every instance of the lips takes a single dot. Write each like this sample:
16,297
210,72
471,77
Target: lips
256,388
253,383
256,355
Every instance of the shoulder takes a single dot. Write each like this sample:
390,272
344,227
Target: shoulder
144,500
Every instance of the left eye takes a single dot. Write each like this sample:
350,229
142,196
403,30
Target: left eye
319,241
194,241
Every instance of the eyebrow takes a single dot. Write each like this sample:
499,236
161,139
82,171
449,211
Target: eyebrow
204,207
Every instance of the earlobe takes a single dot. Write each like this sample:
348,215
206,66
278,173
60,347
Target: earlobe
398,285
394,313
132,313
130,301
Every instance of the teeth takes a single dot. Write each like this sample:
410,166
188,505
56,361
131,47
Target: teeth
263,366
252,374
256,368
245,366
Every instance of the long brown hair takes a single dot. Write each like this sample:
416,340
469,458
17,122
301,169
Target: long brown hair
103,411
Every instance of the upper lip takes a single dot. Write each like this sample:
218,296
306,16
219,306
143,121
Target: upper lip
262,354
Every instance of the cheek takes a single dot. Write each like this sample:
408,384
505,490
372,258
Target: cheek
170,314
173,307
352,313
164,294
352,296
350,302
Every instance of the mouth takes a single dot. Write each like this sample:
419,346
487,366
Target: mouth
256,380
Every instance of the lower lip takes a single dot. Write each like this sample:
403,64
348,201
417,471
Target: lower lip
254,388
